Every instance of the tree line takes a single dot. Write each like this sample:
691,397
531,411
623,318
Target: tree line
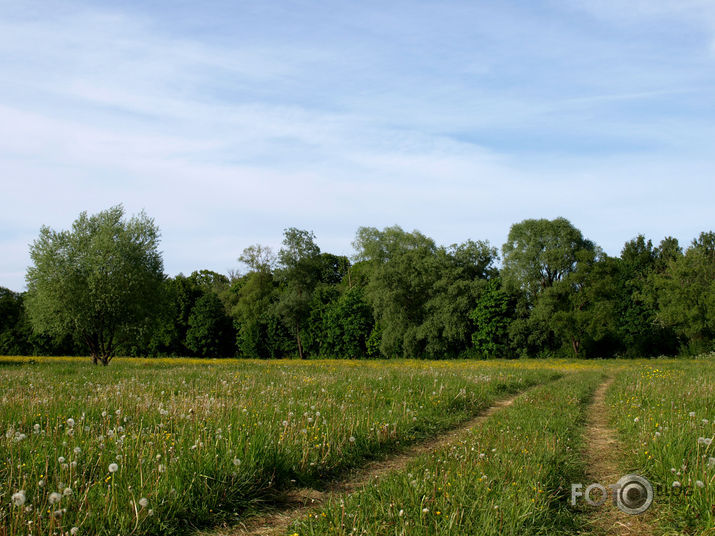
100,287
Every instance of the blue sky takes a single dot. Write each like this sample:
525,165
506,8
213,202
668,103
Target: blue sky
230,121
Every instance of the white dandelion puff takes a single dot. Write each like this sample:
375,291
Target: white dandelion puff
143,502
54,497
113,468
18,499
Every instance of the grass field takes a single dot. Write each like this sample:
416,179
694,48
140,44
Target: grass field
170,446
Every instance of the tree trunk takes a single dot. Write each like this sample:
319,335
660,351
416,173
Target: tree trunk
300,344
575,344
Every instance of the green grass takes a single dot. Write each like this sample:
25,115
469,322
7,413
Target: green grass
199,443
665,416
509,476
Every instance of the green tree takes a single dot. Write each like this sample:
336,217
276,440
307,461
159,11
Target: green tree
539,253
638,331
99,281
461,277
685,293
210,332
402,273
579,307
299,274
13,341
492,316
348,324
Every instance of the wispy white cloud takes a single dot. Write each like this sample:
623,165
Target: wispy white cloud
437,119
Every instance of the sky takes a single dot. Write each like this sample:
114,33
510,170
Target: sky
228,122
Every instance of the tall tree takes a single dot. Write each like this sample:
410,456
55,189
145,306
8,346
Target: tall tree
539,253
100,280
462,274
491,316
299,274
579,307
347,325
210,332
685,293
638,331
403,268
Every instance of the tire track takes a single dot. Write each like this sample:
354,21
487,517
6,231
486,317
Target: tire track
296,503
602,457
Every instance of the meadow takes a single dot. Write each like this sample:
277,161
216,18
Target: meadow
166,446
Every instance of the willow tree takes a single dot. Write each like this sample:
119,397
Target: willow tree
99,281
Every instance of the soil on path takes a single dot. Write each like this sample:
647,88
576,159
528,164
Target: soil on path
296,503
602,457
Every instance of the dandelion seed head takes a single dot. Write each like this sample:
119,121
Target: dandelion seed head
113,468
18,499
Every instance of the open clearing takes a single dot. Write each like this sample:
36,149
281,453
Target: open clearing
351,447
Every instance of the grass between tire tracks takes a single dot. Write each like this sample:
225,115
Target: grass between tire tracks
509,476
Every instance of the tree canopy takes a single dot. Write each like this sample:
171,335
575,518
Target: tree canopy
100,286
97,281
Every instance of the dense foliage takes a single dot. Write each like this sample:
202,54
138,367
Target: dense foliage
556,294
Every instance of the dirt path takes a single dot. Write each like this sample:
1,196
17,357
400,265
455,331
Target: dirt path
601,457
299,502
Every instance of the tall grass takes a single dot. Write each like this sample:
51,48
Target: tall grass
151,447
665,416
509,476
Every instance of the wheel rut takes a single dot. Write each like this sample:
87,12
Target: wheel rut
295,503
602,462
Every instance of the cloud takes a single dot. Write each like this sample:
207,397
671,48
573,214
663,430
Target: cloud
454,121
